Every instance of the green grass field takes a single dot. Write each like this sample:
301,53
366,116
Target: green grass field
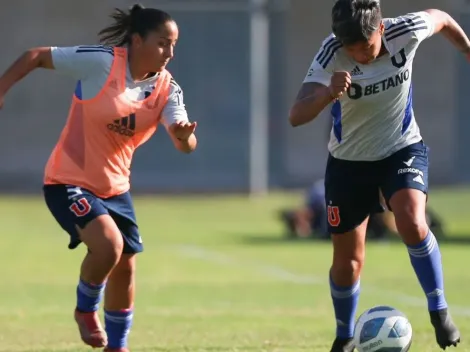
216,276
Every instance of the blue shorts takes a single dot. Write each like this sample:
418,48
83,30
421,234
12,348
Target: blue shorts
74,206
352,187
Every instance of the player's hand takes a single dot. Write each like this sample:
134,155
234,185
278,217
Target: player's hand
340,82
183,130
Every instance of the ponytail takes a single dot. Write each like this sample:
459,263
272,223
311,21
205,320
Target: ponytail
136,20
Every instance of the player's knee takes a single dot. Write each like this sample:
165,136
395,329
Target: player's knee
112,251
348,256
346,271
411,226
409,208
103,238
349,265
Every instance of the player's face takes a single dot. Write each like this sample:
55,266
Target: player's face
365,52
158,47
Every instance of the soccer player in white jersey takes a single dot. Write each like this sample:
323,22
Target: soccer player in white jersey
362,74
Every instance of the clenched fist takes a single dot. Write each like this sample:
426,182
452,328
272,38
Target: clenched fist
339,84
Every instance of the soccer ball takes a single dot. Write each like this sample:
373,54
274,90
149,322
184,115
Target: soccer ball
382,329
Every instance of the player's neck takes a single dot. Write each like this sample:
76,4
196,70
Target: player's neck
383,50
137,73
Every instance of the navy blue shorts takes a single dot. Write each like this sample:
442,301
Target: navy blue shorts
352,187
74,206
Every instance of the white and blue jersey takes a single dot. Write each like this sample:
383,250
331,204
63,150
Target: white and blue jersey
90,65
375,118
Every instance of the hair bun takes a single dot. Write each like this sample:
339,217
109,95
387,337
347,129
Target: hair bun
136,8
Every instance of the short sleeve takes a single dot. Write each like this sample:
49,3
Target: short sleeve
174,110
321,69
411,28
83,61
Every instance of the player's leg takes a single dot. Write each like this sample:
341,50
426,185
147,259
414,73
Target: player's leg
349,200
104,242
119,303
83,216
120,288
405,189
348,260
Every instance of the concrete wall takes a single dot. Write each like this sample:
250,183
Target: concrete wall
212,66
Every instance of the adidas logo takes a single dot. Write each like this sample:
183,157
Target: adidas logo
356,71
124,126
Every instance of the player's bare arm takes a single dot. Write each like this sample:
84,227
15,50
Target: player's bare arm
446,25
311,100
33,58
314,97
183,137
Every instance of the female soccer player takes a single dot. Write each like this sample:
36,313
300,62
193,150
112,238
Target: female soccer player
363,74
123,93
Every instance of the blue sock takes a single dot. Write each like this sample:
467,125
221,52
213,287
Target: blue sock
88,296
118,325
426,260
345,300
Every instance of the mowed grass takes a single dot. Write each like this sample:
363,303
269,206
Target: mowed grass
216,275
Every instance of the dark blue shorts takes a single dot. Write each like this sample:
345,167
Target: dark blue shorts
74,206
352,187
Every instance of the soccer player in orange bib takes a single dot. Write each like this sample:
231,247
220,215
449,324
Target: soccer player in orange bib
123,93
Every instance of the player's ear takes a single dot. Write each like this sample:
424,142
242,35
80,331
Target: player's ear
136,40
382,28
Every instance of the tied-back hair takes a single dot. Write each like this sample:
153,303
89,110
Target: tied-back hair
355,20
137,19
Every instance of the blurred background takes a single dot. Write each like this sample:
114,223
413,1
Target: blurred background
238,86
220,271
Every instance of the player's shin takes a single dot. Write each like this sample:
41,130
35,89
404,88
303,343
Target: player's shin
348,260
90,287
426,260
345,301
89,296
104,242
119,302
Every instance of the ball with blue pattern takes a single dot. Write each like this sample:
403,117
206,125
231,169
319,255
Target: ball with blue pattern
383,329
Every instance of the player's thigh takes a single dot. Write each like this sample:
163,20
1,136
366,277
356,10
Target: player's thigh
351,193
82,215
121,208
404,180
102,235
131,237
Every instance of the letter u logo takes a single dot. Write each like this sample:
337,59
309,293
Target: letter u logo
402,59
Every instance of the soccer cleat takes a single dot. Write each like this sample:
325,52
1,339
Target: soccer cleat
342,345
107,349
91,331
447,333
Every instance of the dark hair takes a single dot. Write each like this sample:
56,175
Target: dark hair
137,20
355,20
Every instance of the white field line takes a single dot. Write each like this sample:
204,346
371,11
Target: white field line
283,274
